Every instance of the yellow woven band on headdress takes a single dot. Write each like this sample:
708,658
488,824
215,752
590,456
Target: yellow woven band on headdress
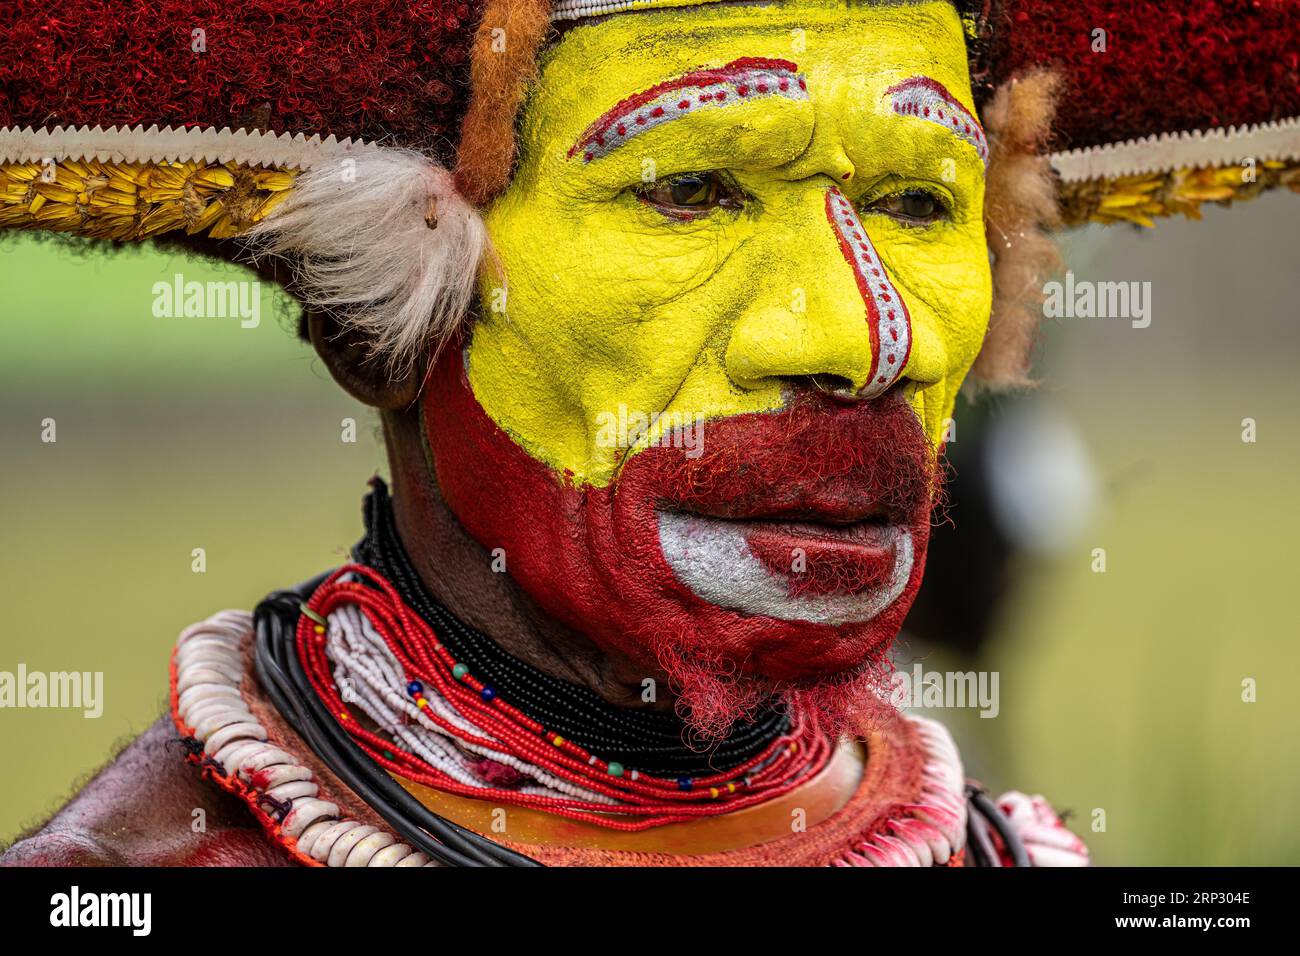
132,183
1144,197
1173,173
130,201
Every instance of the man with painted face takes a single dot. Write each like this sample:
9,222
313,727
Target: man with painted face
665,350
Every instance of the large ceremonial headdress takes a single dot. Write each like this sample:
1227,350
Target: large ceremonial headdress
363,138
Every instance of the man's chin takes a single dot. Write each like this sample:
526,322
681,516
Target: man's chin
713,696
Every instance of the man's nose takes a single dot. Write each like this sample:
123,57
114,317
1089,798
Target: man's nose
830,315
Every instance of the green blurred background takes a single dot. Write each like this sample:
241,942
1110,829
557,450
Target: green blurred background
1119,691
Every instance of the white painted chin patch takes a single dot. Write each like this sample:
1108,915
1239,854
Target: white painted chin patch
712,558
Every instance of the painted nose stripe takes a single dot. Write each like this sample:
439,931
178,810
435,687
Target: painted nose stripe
887,315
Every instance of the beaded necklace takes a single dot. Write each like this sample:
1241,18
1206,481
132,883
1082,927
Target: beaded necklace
358,638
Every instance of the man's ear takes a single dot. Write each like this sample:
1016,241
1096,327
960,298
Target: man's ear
347,354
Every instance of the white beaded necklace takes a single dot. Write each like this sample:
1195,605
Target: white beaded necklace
370,677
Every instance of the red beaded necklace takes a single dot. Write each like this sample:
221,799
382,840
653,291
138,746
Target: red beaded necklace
643,801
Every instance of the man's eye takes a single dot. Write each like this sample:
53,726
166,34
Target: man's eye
913,206
691,194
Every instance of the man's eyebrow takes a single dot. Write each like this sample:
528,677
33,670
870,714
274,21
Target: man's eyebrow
706,88
929,100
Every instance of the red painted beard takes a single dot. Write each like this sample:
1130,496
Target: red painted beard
780,556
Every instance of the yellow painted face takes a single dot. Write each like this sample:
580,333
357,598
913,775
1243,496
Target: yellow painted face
718,204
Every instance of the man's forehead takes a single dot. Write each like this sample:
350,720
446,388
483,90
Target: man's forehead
567,13
725,53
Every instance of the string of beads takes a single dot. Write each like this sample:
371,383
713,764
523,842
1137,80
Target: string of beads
449,698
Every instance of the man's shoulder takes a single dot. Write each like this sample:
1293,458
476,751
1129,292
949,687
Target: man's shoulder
148,807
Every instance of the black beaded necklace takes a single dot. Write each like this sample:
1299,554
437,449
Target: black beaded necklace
652,742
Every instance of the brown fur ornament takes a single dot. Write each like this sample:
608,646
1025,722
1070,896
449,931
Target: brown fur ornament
503,61
1020,210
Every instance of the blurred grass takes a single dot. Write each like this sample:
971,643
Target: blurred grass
173,434
1120,691
1123,691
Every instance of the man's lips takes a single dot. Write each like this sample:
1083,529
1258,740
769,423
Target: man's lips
872,533
830,509
818,535
819,557
790,570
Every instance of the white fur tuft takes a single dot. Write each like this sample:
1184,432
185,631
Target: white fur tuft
358,232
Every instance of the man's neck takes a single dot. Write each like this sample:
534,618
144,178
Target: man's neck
457,571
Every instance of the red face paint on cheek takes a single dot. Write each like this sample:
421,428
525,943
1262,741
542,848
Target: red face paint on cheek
680,558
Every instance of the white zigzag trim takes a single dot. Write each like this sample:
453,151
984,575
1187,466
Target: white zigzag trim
136,144
1167,152
577,9
209,672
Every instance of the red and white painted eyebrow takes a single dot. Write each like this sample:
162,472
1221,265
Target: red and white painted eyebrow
930,100
738,82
